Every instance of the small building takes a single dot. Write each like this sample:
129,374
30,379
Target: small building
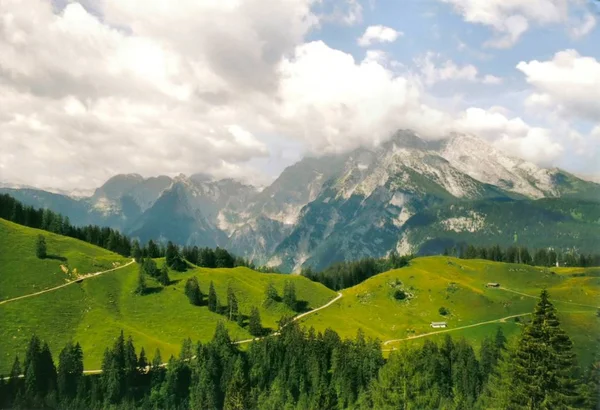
438,325
492,285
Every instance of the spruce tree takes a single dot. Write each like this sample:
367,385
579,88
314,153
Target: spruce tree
254,324
192,291
271,295
544,362
213,302
289,295
232,304
141,282
163,276
40,247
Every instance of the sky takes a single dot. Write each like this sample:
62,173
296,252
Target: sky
244,88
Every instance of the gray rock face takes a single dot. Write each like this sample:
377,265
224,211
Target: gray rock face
408,194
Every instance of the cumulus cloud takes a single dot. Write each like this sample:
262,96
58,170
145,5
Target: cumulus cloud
433,72
569,84
165,90
83,100
378,34
510,19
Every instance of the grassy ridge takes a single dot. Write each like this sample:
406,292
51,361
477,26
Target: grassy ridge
94,311
23,273
459,286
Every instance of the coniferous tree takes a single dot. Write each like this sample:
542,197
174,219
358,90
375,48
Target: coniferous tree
136,251
192,291
163,276
236,393
153,251
142,363
141,287
254,324
289,295
70,370
544,363
213,302
271,295
40,247
232,304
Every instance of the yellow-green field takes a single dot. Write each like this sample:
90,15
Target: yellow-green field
459,286
22,273
94,311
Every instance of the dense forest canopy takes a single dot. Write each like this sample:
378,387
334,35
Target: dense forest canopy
304,369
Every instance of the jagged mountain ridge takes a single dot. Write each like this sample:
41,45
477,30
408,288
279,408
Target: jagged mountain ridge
319,210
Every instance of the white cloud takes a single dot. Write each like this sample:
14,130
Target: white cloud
583,28
378,34
433,73
511,18
569,84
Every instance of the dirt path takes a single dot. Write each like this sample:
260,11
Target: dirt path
501,320
310,312
553,300
84,277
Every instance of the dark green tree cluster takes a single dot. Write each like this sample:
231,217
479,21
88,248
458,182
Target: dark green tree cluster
343,275
174,259
107,238
521,254
193,292
219,258
303,369
271,295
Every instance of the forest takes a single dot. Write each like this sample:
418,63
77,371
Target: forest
303,369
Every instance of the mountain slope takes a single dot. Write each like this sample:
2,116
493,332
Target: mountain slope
94,311
337,207
459,286
22,272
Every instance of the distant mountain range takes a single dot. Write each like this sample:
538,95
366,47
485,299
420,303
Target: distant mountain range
408,194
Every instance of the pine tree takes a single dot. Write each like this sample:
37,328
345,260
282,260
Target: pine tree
192,291
254,324
40,247
136,251
232,304
236,394
213,302
271,295
70,370
289,295
141,282
544,363
163,276
142,363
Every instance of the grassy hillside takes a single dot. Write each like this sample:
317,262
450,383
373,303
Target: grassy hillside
23,273
94,311
459,286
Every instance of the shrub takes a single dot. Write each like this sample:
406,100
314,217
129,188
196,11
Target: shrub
443,311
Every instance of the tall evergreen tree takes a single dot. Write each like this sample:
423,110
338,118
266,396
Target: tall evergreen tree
213,302
141,287
163,276
289,295
544,362
40,247
254,324
232,303
271,295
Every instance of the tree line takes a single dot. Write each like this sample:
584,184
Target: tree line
305,369
521,254
343,275
112,240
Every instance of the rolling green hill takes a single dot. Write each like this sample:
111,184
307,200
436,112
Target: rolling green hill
94,311
459,285
23,273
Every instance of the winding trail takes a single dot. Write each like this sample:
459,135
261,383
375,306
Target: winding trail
82,278
295,318
554,300
501,320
